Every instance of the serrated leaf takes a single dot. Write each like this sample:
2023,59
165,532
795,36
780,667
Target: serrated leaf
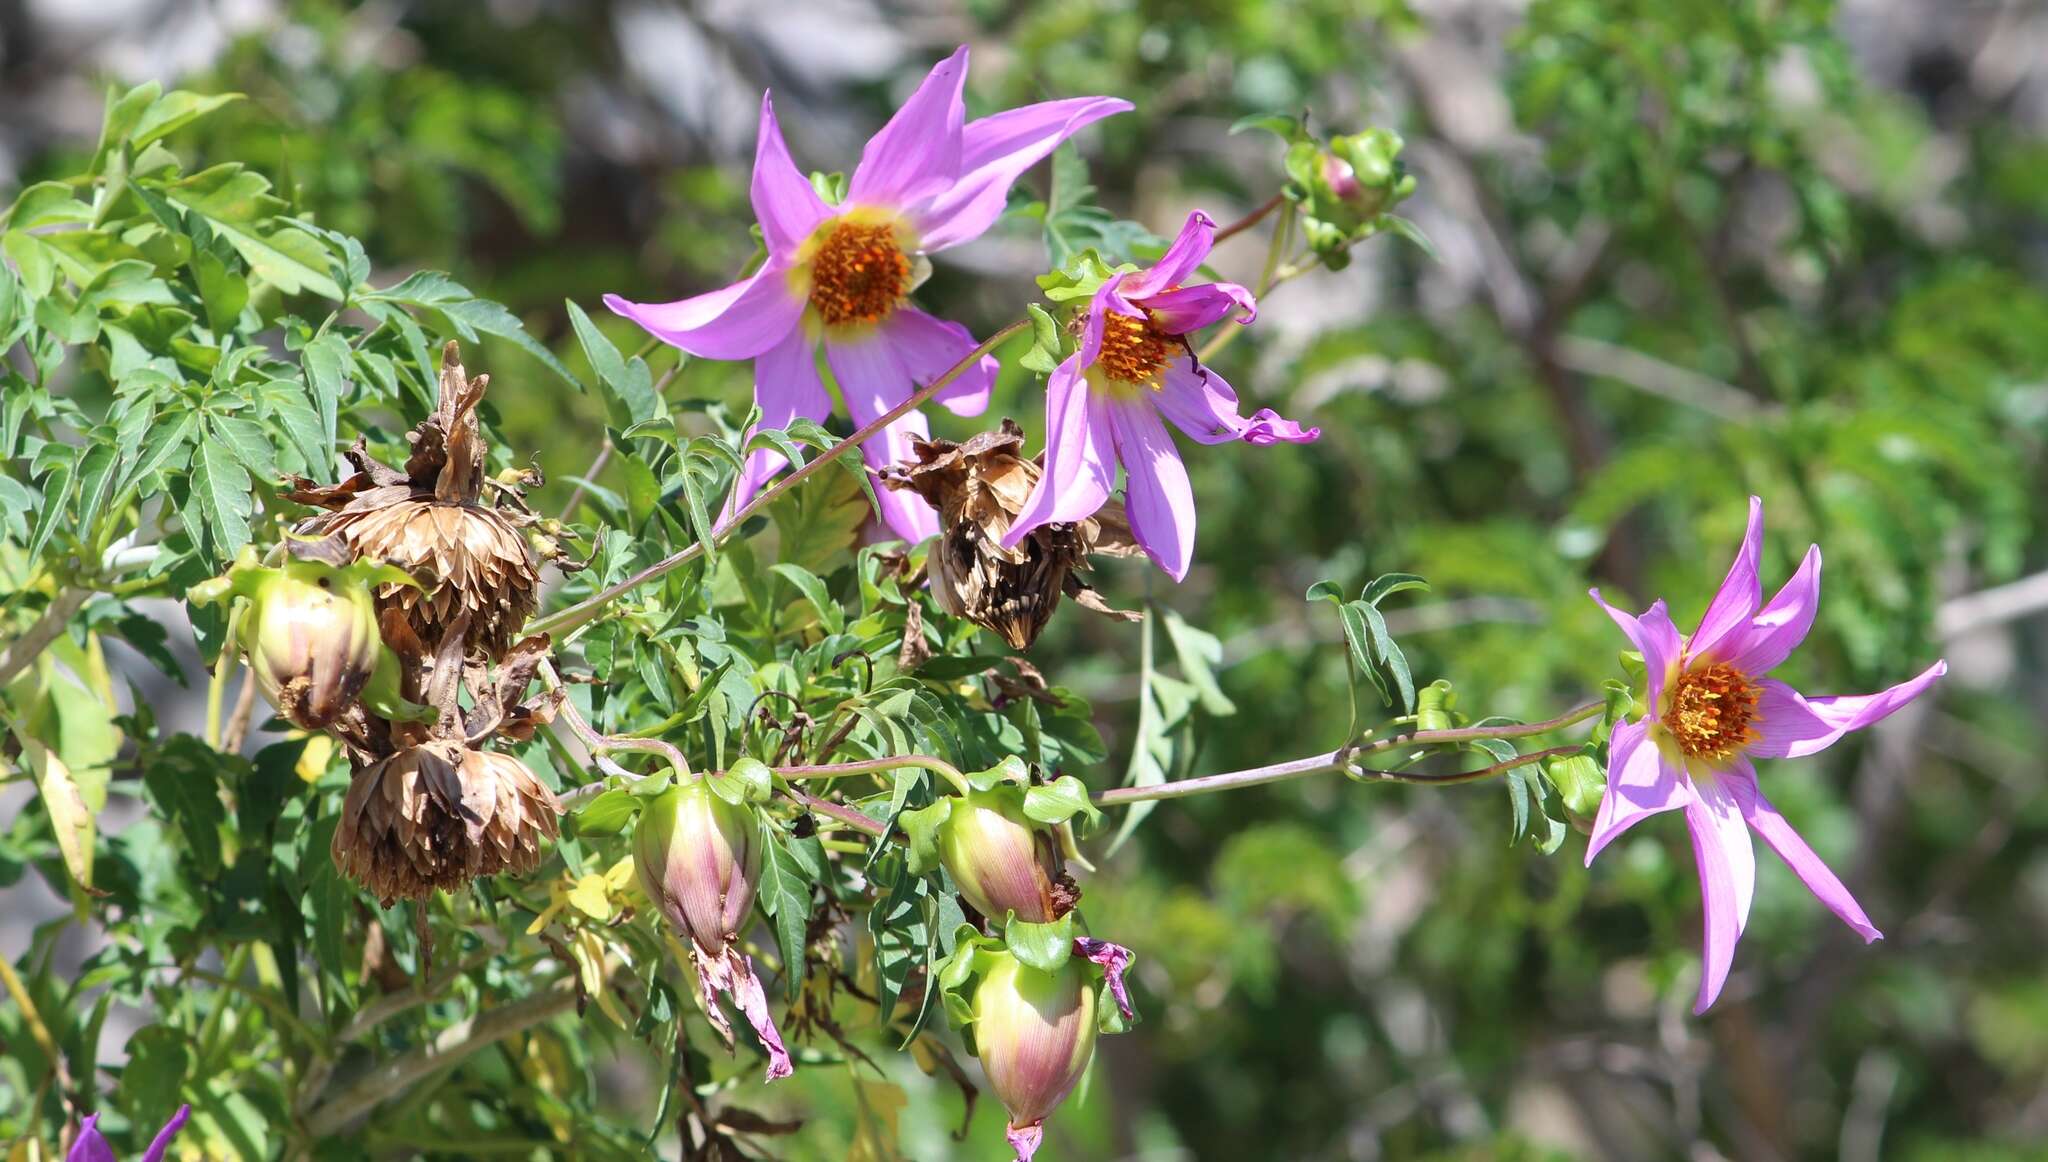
249,443
786,896
608,814
220,488
807,583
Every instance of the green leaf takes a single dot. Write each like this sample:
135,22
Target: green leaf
830,615
220,488
608,814
1045,947
627,390
326,361
172,112
1387,584
248,441
1059,801
237,203
1198,651
186,790
1281,125
786,896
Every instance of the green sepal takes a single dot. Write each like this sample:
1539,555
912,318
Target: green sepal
1048,346
1045,947
382,695
1010,770
607,814
921,825
1058,801
1580,782
749,780
1080,278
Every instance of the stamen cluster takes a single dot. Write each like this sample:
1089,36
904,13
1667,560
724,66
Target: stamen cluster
1713,712
859,274
1132,350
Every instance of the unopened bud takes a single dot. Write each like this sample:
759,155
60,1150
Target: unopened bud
1034,1032
310,633
1000,860
699,859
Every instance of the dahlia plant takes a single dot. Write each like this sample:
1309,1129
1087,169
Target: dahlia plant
580,787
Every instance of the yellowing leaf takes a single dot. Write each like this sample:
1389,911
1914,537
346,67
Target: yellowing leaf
314,759
68,815
591,898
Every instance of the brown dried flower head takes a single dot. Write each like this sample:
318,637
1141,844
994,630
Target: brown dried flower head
438,815
979,487
433,521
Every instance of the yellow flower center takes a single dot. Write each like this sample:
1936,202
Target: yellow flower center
1711,711
858,271
1132,350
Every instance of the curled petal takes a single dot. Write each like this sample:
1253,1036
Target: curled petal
1727,867
1079,459
1204,407
753,1005
994,152
1025,1139
1641,782
1791,725
786,386
1778,834
1656,637
1740,593
1157,496
162,1142
789,209
1183,258
1190,308
1114,959
736,322
873,382
714,980
928,347
1268,427
1760,644
917,154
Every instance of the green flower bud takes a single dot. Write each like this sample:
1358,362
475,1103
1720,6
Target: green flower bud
310,633
1034,1032
699,860
1000,860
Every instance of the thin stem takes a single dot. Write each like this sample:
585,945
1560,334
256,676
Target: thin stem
603,744
1344,759
858,820
1281,233
30,645
604,455
223,667
562,621
1252,219
931,763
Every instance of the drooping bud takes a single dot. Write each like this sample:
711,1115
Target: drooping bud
1001,861
1034,1032
311,640
699,860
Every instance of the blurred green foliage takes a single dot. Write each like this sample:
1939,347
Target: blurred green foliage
1706,250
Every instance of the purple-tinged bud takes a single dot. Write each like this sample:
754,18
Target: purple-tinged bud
699,860
1001,861
310,633
1034,1032
1340,177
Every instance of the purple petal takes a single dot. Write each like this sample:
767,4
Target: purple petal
1191,308
872,382
1114,959
786,386
1079,461
1656,637
1791,725
928,347
1157,497
753,1005
162,1141
90,1146
1778,834
1025,1139
789,209
1740,593
1181,259
1766,640
917,154
1727,867
994,153
1204,407
1640,783
714,979
735,322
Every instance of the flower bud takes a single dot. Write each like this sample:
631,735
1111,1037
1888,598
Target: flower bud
699,859
1034,1031
311,637
1001,861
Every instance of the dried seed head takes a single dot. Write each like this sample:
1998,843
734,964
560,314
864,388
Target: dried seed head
467,558
979,487
438,815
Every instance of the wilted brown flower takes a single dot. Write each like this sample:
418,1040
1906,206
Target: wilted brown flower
438,815
432,521
979,487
